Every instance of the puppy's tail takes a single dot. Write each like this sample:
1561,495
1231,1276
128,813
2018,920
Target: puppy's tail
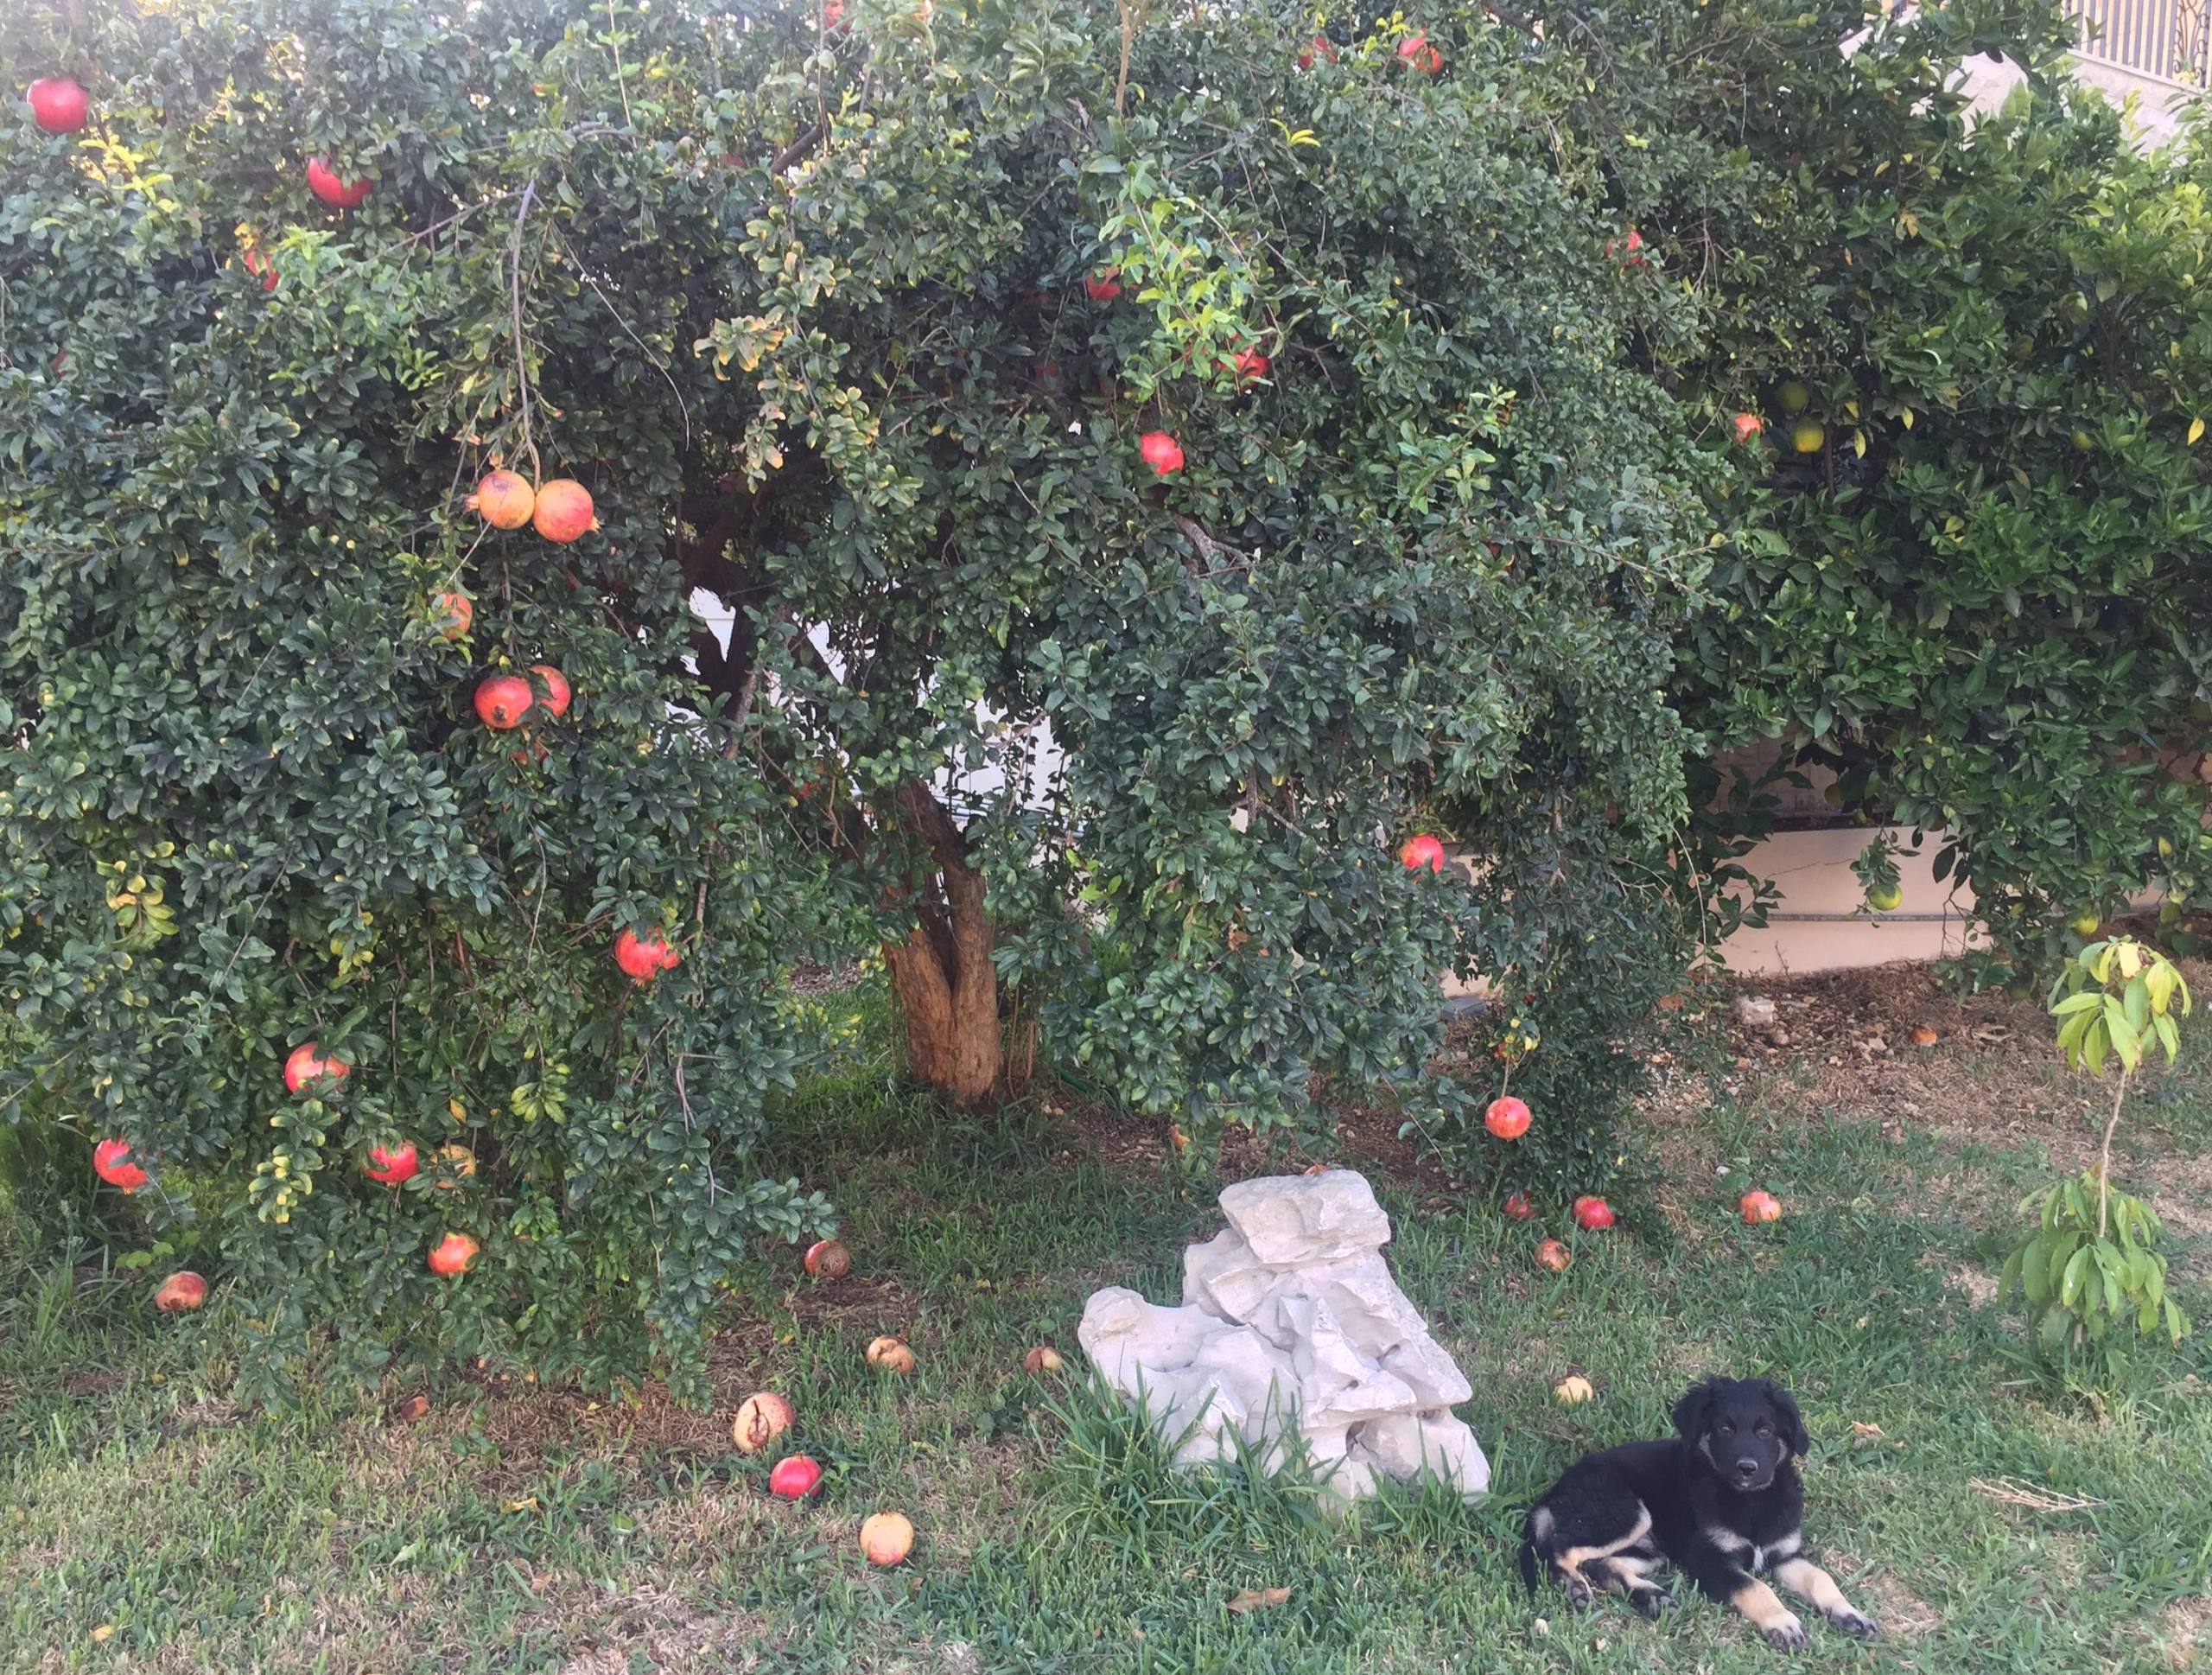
1532,1568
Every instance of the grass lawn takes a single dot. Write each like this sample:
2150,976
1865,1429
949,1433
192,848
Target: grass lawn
1988,1520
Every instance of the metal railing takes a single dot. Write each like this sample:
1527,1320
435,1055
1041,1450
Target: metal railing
2168,39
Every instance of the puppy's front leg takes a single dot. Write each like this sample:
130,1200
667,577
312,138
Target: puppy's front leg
1719,1577
1807,1581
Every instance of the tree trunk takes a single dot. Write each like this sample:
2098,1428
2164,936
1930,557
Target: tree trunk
942,972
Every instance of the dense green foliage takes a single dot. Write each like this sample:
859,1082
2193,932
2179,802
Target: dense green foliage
855,319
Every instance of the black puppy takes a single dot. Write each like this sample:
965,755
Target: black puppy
1722,1503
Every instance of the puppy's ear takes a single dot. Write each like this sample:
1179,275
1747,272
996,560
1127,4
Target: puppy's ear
1787,1419
1690,1411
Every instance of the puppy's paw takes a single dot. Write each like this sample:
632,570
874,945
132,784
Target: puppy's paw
1579,1594
1858,1627
1786,1631
1654,1602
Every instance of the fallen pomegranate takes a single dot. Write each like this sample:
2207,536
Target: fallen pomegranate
1042,1359
414,1409
761,1419
58,104
1759,1207
181,1293
1103,287
889,1354
563,511
886,1538
1748,427
503,499
1592,1214
644,958
450,1256
1519,1207
454,614
1573,1390
389,1165
1161,452
1507,1117
1422,851
306,1063
324,181
1552,1255
112,1163
502,701
828,1260
556,687
794,1478
1923,1035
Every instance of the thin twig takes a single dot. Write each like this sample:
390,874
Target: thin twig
1129,38
2104,1156
614,44
658,364
514,305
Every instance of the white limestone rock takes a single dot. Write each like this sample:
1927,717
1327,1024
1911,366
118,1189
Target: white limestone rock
1292,1333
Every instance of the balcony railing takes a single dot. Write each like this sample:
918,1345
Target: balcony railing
2168,39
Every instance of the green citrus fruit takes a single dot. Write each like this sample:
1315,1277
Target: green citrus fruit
1795,398
1807,438
2084,923
1887,899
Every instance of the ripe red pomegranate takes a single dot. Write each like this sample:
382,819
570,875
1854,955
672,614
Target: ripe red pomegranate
112,1163
563,511
181,1293
1759,1207
644,958
454,614
1592,1214
1161,452
263,268
324,181
1748,426
795,1478
1507,1117
1103,286
502,701
556,687
306,1062
503,499
1250,365
1321,47
451,1255
389,1165
1519,1206
828,1258
1422,851
58,104
1417,53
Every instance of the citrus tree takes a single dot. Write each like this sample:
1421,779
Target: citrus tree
1965,566
410,897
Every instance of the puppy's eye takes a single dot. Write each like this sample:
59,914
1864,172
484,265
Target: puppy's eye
1727,1428
1766,1430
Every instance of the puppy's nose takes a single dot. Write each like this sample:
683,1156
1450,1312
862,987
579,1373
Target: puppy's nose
1747,1468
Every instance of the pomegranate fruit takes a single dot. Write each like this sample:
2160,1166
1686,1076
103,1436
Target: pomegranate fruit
58,104
454,614
1748,427
502,701
1572,1391
886,1538
644,958
761,1419
1422,851
1552,1255
181,1293
1103,287
306,1062
503,499
563,511
1417,52
556,687
451,1256
1759,1207
827,1258
1507,1117
889,1354
389,1165
324,181
1924,1036
1042,1359
263,268
795,1477
1250,365
1161,452
1519,1206
1319,47
1592,1214
112,1163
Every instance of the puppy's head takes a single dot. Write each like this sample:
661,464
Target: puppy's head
1745,1430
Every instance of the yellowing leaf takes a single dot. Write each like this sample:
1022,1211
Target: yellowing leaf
1908,418
2196,430
1859,444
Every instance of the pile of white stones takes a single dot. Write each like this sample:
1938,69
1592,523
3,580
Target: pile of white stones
1291,1326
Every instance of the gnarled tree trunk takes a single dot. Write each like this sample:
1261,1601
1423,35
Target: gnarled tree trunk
942,972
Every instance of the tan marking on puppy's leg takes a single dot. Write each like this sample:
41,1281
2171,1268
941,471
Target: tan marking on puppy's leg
1806,1580
1776,1621
1570,1563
